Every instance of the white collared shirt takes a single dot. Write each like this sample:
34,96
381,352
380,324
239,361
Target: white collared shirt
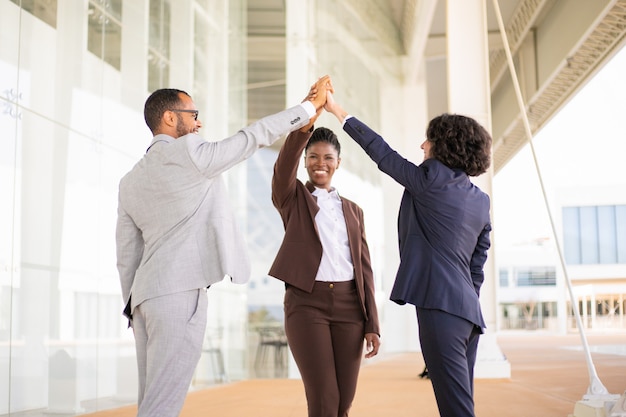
336,264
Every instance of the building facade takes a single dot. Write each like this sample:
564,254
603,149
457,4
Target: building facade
74,75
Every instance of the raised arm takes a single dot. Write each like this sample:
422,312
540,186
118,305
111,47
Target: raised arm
286,166
213,158
405,172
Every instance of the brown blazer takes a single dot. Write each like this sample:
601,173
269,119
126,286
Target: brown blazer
300,254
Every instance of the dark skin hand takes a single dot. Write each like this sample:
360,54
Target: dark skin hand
372,344
322,86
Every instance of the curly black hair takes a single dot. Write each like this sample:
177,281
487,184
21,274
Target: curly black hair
323,134
460,142
158,103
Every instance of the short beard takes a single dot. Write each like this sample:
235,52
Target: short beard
180,128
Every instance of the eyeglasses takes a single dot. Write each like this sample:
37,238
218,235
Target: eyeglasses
194,112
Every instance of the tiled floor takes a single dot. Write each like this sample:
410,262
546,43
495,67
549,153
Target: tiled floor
549,375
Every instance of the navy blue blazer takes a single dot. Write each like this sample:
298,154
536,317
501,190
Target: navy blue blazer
443,230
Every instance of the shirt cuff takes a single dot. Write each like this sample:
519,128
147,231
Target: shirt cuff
309,108
345,120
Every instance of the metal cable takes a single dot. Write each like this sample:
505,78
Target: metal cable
596,388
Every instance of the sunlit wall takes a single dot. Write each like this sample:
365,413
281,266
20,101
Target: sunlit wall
73,79
74,75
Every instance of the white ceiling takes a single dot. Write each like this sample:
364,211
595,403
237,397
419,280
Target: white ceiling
389,29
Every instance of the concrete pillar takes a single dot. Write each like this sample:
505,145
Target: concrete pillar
181,46
400,102
300,36
133,59
469,94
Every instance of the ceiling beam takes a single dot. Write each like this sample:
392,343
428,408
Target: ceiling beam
378,21
599,43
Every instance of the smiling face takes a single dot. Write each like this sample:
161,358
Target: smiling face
321,161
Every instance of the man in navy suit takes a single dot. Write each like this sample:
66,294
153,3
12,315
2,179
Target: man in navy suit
443,235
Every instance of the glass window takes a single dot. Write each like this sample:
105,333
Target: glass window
504,277
159,44
536,276
104,38
620,233
589,235
607,239
571,235
46,10
200,53
594,235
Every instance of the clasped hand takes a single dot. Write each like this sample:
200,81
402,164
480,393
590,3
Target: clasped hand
321,95
317,96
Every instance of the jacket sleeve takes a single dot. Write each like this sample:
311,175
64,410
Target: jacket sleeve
479,257
129,249
286,170
411,176
213,158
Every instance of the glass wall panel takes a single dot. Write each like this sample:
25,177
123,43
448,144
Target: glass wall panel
38,45
201,51
35,313
159,44
237,41
229,77
45,10
10,123
76,115
72,90
105,30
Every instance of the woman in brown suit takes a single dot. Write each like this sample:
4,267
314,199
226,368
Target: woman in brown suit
325,263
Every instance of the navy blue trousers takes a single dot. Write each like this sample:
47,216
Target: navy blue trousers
449,344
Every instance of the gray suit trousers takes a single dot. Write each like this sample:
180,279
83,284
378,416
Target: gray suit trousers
169,331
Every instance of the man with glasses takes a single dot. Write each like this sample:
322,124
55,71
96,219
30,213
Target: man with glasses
176,235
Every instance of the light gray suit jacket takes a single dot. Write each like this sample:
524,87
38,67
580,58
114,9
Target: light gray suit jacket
175,229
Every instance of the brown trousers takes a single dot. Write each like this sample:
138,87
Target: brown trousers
325,331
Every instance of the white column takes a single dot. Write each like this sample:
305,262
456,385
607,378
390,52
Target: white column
469,94
301,69
300,73
181,46
49,197
134,65
403,108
